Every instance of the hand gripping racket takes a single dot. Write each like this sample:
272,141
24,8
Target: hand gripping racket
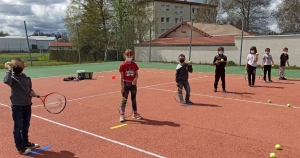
128,114
179,95
54,102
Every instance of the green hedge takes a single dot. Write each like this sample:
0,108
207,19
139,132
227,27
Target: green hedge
72,56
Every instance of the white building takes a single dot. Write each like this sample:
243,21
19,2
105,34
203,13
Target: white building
19,43
167,13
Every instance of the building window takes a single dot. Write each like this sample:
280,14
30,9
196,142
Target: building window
167,19
194,10
178,9
162,19
176,20
165,8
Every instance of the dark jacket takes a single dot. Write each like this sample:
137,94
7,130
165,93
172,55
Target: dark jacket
21,88
182,72
220,65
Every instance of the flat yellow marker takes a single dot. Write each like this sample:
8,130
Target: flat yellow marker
118,126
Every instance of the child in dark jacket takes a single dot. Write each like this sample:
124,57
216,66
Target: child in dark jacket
182,76
220,61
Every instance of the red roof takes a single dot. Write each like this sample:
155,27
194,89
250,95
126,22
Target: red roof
217,40
60,44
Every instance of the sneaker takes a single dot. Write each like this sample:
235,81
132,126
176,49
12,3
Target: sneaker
280,78
270,81
189,102
265,81
137,116
224,90
24,150
284,78
31,145
122,118
215,90
182,101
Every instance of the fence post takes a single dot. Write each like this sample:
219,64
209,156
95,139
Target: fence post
78,44
28,43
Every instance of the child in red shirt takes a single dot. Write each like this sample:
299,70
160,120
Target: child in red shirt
129,75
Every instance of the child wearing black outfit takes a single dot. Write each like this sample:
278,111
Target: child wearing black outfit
220,61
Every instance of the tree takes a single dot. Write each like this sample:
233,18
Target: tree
208,13
3,34
90,17
254,12
288,16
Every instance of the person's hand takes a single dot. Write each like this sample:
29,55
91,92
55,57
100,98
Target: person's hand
134,82
122,90
177,84
7,66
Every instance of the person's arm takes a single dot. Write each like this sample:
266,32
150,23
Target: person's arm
280,60
256,58
215,62
190,68
247,62
32,93
225,60
272,60
7,78
288,60
121,70
262,62
177,76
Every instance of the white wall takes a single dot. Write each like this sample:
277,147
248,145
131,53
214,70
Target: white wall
205,54
15,44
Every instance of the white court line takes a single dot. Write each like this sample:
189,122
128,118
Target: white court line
241,100
95,135
96,95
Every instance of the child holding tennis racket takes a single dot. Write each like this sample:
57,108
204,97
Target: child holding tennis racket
267,62
251,65
182,76
284,58
129,75
220,61
21,95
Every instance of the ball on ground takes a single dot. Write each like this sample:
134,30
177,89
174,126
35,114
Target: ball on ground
277,146
288,105
272,155
269,101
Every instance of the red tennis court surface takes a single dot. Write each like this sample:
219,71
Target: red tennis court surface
237,124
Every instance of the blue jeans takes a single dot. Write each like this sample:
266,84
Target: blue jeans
187,88
21,116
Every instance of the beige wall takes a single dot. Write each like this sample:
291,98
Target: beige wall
205,54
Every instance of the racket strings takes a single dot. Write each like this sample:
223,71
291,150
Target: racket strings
55,102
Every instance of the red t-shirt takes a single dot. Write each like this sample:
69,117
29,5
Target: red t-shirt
129,70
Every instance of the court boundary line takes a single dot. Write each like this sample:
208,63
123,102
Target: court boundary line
101,94
234,99
92,134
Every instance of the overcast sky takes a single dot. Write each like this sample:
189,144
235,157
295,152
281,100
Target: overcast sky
45,15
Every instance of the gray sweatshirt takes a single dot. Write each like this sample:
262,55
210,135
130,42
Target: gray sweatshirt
21,88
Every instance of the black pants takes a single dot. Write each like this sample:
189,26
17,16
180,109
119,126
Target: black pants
187,88
21,116
267,68
219,73
128,87
251,73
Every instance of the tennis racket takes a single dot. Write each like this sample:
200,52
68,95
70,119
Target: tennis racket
261,74
126,114
179,95
246,75
54,102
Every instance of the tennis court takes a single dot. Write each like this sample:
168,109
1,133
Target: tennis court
240,123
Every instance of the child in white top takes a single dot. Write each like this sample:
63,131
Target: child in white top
251,65
267,63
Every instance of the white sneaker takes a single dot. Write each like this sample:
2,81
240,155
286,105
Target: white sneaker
137,116
122,118
24,150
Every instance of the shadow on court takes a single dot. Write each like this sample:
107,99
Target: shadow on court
268,87
239,93
202,104
284,82
155,122
52,154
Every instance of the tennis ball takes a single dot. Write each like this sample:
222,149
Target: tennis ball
132,83
222,59
277,146
189,62
272,155
9,63
257,53
269,101
272,65
288,105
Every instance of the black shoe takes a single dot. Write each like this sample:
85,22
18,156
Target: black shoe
224,90
215,90
189,102
31,145
24,150
284,78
